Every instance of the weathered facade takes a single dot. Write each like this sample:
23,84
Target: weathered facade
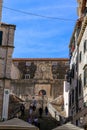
78,58
30,76
6,50
75,88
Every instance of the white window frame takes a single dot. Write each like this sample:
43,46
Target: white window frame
28,63
27,76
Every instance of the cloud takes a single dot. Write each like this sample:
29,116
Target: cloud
41,37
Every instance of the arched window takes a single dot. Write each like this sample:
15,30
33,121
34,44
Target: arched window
42,92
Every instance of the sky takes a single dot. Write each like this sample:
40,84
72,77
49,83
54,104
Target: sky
41,37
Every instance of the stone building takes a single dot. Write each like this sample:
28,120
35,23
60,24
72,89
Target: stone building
81,117
27,77
74,79
33,77
6,50
78,61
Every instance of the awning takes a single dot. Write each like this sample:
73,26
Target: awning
68,126
16,124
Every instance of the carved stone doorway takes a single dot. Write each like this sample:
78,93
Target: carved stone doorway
45,87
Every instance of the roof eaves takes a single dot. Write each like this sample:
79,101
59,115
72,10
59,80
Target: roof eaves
82,30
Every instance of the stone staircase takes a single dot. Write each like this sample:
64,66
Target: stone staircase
47,122
56,109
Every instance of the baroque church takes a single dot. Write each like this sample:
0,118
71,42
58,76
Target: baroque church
27,77
30,76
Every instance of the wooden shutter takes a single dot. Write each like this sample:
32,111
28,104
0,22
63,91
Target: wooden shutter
1,33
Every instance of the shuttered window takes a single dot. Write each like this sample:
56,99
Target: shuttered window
73,96
85,76
1,34
80,85
80,57
85,46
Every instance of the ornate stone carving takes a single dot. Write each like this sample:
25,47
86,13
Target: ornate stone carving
24,69
43,71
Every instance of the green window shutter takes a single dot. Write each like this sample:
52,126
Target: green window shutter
1,34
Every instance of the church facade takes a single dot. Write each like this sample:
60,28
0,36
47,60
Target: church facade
31,76
27,77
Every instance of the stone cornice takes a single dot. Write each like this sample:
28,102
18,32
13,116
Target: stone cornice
6,46
5,78
10,25
77,25
83,5
82,30
73,35
40,59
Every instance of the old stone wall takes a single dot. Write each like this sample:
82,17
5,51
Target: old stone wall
15,73
6,50
33,75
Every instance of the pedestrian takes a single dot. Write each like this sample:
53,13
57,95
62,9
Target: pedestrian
40,111
22,109
35,122
34,103
46,110
30,110
34,107
30,120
